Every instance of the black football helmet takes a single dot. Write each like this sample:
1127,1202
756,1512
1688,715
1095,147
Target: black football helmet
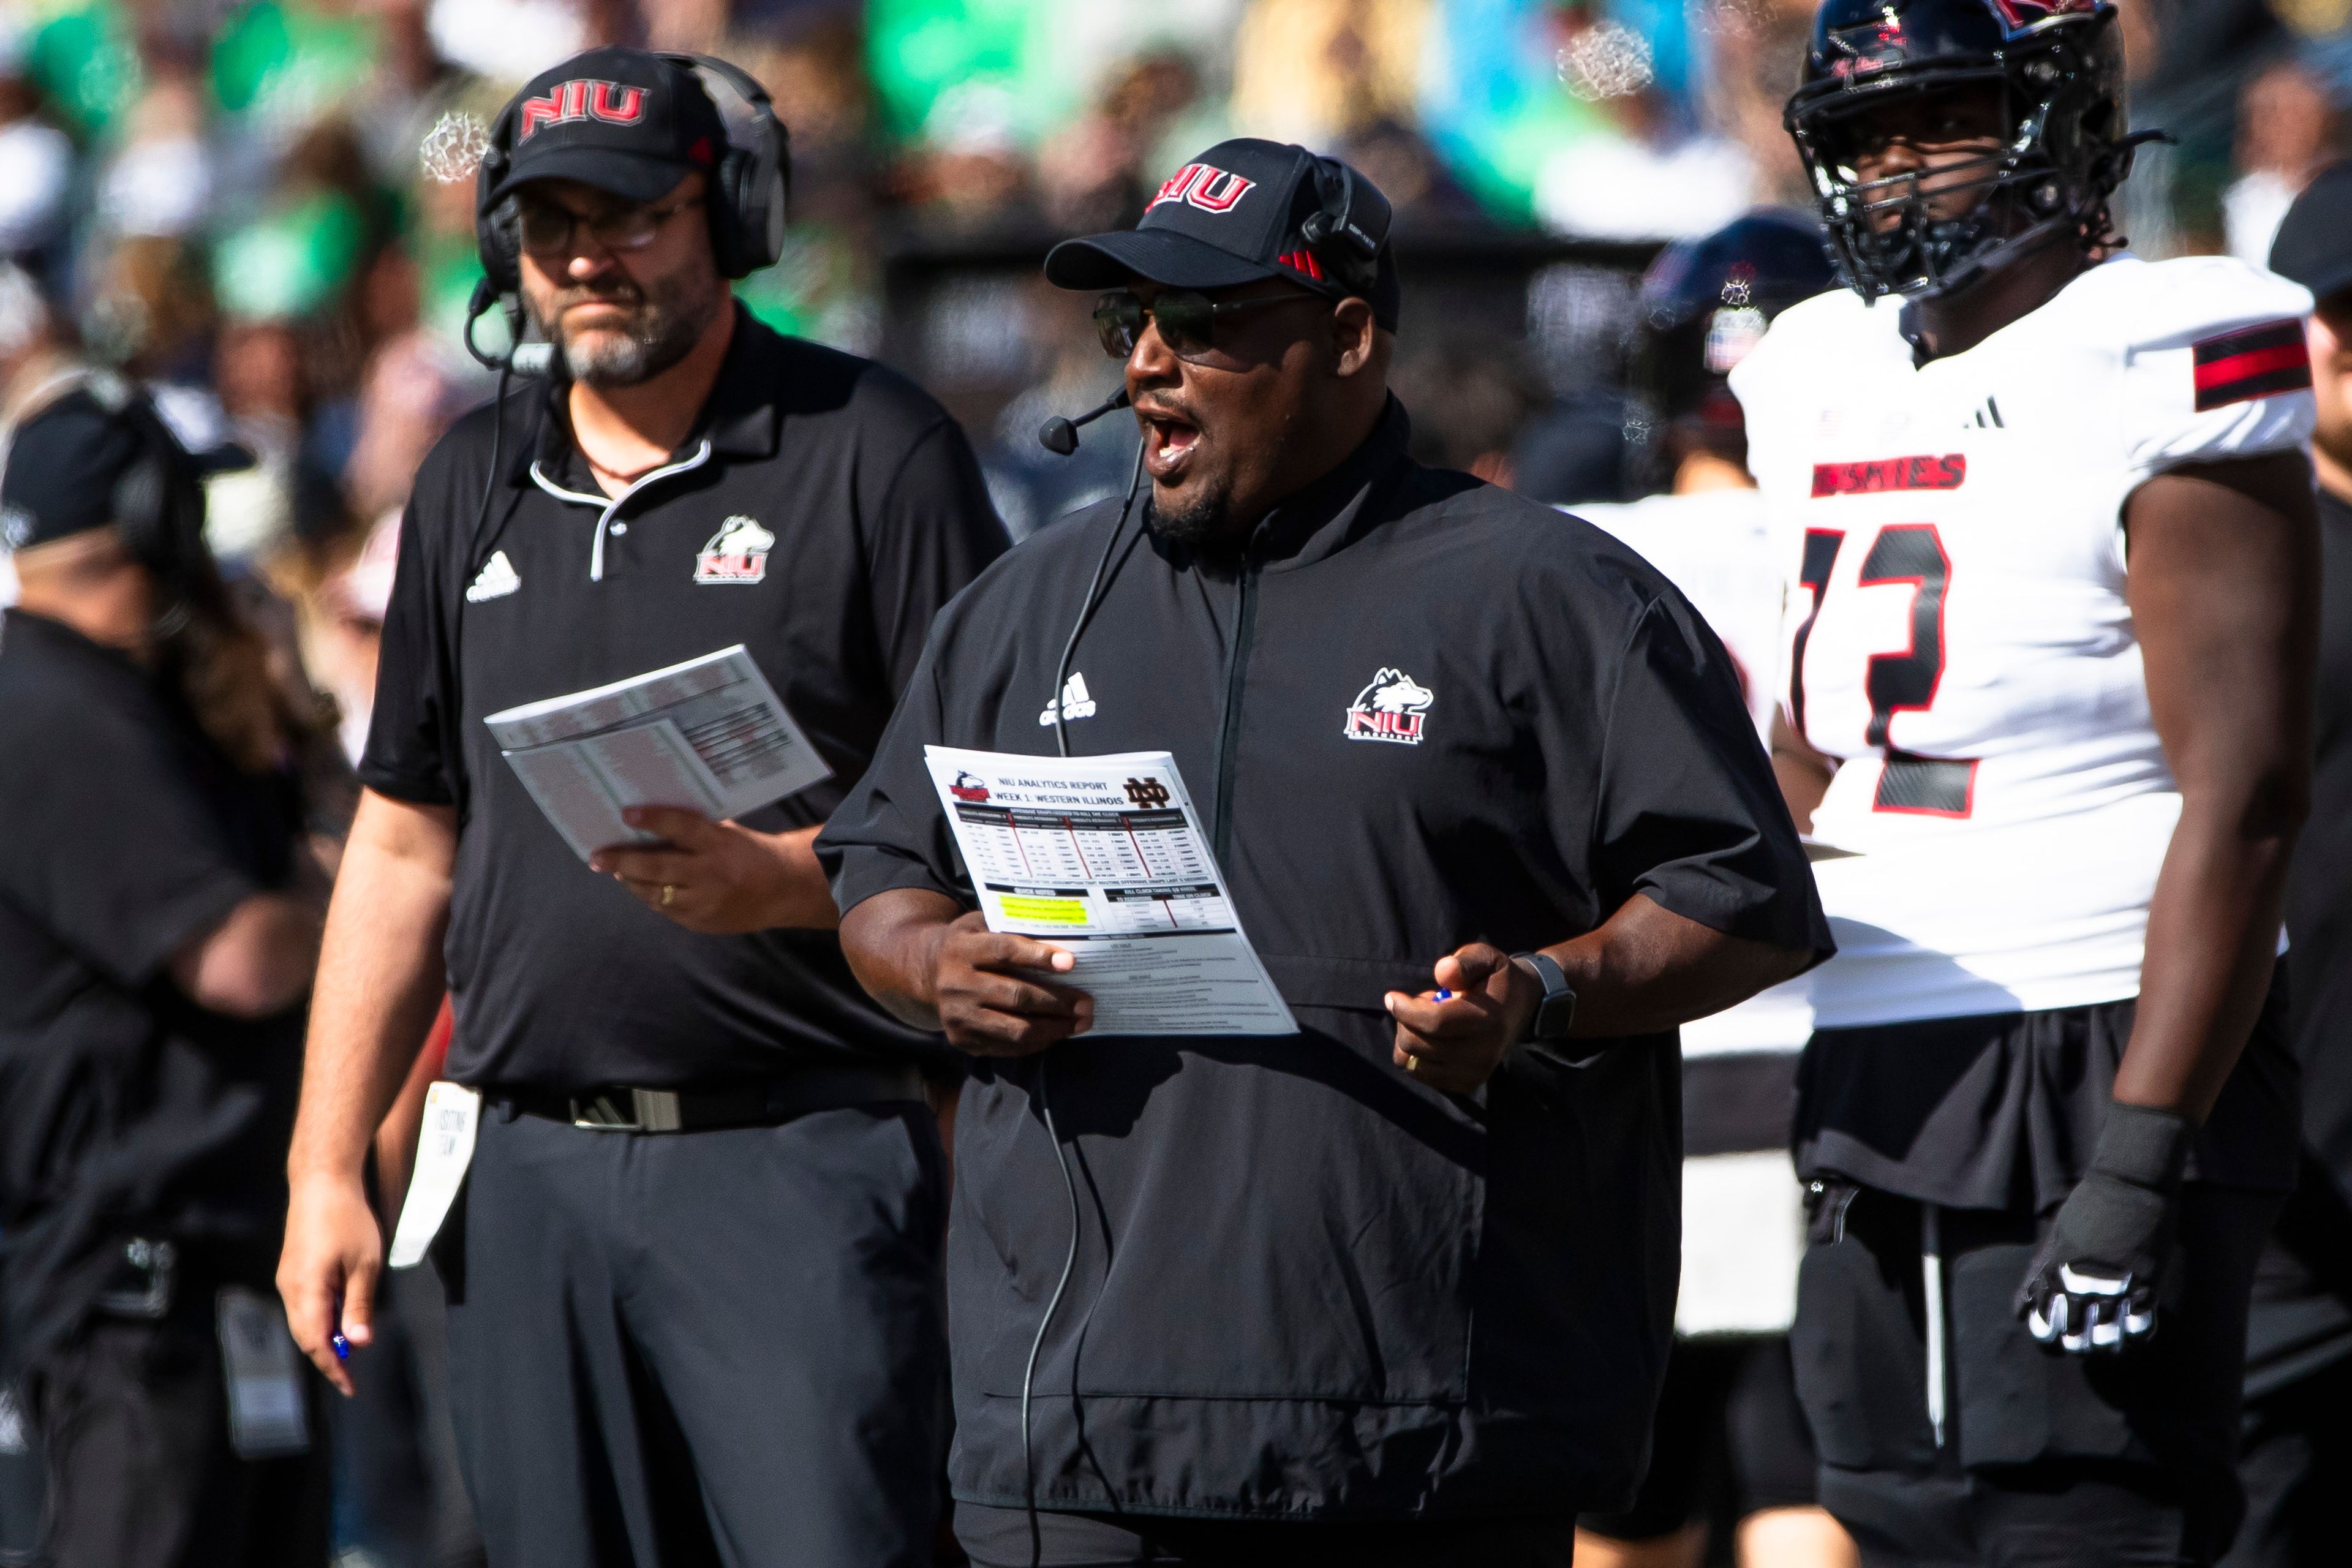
2057,67
1703,304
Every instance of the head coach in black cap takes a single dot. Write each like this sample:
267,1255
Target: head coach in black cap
158,918
1397,1288
2295,1462
693,1270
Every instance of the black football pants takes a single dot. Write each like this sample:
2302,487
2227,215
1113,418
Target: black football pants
2047,1460
680,1349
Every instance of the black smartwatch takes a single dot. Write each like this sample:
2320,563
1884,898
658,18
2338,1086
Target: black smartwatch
1557,1011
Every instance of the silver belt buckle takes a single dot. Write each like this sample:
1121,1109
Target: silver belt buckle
650,1110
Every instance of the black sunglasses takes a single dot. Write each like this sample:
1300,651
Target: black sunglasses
1187,321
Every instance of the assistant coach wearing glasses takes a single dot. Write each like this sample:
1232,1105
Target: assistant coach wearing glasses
693,1274
1396,1289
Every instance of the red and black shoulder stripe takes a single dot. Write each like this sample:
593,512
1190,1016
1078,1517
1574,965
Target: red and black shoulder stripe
2251,362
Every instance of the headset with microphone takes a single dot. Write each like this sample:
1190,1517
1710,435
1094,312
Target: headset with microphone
751,194
1344,247
748,202
1059,435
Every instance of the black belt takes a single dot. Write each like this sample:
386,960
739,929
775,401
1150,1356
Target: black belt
618,1107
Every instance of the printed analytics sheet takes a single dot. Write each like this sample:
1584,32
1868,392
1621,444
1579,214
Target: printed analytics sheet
1105,856
710,735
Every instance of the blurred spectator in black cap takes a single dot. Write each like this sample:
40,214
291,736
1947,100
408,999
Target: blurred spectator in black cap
2297,1457
159,922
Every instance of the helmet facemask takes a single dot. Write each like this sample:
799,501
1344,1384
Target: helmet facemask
2052,122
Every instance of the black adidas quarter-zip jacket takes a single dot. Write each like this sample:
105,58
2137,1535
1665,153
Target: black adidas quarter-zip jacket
820,512
1418,711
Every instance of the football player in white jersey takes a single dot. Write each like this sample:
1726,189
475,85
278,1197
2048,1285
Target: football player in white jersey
2052,564
1730,1442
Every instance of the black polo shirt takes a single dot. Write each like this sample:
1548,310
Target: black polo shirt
820,512
125,1109
1425,712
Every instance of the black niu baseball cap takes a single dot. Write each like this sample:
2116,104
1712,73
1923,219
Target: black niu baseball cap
1235,215
2313,245
625,120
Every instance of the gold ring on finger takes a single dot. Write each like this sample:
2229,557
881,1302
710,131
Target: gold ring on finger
670,892
1412,1062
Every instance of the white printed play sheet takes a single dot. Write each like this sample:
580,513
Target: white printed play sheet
710,735
1105,856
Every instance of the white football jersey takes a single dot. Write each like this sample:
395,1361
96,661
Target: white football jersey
1716,546
1956,630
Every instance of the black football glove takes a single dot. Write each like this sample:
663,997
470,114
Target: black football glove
2092,1286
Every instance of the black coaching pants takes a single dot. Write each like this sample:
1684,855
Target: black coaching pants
1000,1538
700,1348
2115,1461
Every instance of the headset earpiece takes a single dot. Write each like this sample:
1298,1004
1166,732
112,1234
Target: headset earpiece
497,234
751,183
1333,227
159,508
138,512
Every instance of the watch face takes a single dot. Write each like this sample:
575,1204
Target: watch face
1555,1015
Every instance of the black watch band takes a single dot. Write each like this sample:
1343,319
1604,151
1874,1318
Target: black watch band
1557,1011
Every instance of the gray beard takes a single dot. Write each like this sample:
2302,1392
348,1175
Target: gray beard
663,329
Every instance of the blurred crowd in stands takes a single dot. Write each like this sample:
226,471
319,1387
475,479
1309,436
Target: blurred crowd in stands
264,208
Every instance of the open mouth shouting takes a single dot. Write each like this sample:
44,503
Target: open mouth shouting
1169,441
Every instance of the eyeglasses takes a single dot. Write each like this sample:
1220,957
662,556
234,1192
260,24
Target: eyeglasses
1187,321
547,229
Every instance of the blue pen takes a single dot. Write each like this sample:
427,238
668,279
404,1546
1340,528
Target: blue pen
343,1347
1441,994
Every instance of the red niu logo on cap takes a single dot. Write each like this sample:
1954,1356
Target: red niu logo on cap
585,99
1198,186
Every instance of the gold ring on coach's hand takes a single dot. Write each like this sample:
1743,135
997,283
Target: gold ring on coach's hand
670,892
1412,1062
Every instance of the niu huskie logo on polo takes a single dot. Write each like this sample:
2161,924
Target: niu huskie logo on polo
582,99
737,552
1198,186
1393,708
